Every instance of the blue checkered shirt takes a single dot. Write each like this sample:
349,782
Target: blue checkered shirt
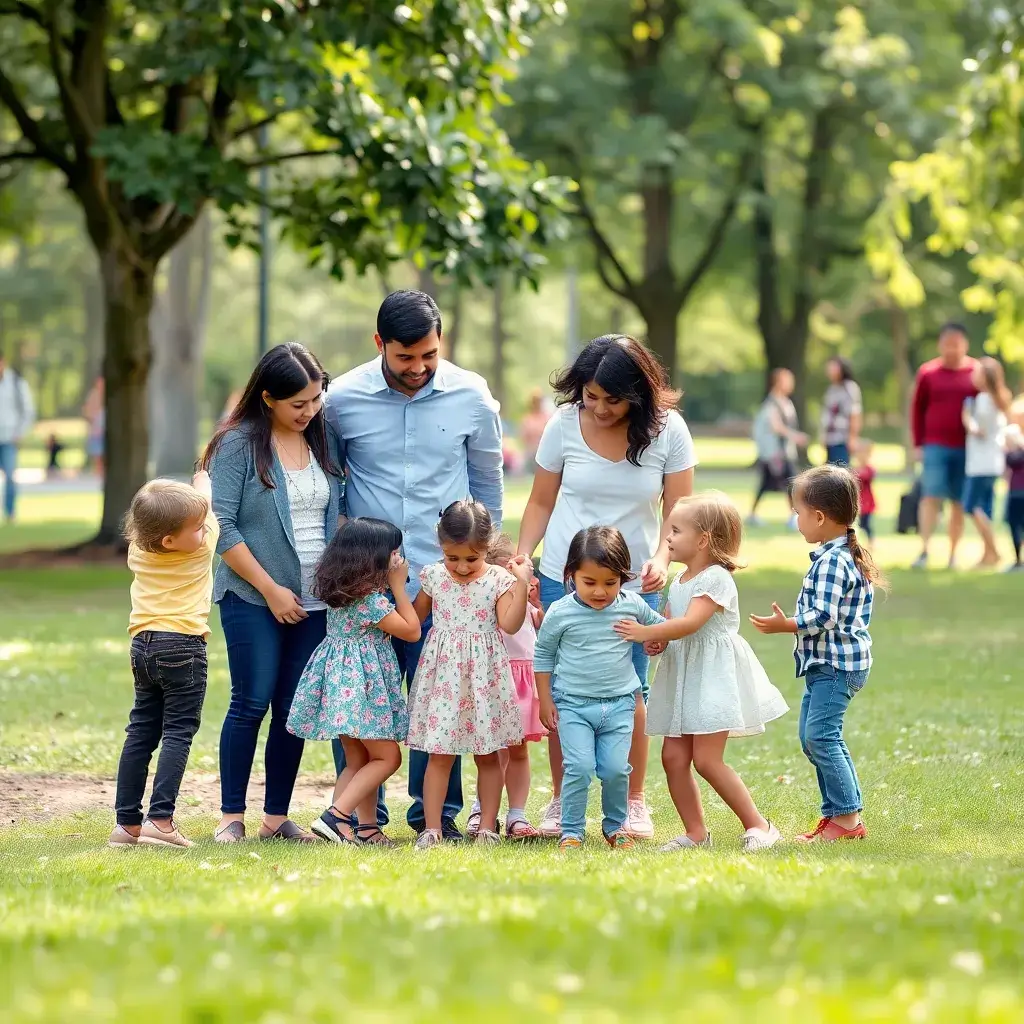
833,612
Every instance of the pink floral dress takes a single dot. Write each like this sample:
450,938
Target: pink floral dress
463,699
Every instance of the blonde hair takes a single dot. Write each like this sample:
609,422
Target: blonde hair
161,508
714,515
995,383
501,550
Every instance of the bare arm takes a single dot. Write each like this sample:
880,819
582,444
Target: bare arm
423,606
548,711
699,610
538,510
677,485
511,607
403,622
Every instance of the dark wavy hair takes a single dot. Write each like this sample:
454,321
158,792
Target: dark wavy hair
466,522
845,368
356,561
604,546
627,371
835,492
283,372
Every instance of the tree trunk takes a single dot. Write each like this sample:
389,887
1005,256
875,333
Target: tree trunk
128,284
92,301
177,349
498,336
901,371
662,319
455,323
426,281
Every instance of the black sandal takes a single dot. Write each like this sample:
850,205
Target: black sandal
328,826
372,830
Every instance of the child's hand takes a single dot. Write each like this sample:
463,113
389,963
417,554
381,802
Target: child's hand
777,622
521,567
201,482
630,629
534,597
548,714
654,647
398,571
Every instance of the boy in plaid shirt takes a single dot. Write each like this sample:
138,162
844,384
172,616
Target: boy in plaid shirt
833,645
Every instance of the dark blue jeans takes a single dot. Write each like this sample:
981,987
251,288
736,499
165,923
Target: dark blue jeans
170,684
8,464
837,454
265,659
408,659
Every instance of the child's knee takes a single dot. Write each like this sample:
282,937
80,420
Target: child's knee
706,765
487,761
518,753
615,768
675,758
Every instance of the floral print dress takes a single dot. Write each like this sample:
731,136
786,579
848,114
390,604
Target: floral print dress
463,698
352,685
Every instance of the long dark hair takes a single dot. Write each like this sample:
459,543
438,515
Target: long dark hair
628,371
834,491
466,522
356,562
284,371
845,369
604,546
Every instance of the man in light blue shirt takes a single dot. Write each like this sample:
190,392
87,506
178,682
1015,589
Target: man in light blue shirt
417,433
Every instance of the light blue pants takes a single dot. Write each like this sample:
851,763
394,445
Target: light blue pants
596,735
8,464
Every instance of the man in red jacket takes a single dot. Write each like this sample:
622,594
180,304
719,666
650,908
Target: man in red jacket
940,439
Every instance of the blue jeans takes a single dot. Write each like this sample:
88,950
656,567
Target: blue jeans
265,659
408,659
838,454
551,591
596,735
980,495
8,464
942,472
827,694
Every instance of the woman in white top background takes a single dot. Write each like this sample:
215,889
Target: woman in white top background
616,453
985,419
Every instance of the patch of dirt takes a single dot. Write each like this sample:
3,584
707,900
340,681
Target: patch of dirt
64,558
44,796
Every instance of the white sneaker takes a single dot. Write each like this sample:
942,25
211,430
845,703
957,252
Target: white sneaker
638,822
551,820
755,839
684,843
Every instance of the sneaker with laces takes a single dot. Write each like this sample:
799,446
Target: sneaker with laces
153,836
570,843
681,843
551,820
760,838
450,831
121,838
428,839
620,840
827,831
638,821
486,838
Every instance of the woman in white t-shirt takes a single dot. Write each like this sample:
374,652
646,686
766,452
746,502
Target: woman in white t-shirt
616,453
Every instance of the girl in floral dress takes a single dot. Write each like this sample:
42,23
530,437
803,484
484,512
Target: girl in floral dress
352,688
463,698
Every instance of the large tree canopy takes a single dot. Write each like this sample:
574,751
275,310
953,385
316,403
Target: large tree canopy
374,118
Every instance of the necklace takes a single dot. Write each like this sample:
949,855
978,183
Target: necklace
298,498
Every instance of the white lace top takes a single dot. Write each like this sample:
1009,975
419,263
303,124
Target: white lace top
309,493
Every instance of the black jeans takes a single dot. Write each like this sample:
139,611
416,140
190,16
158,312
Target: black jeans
266,659
170,684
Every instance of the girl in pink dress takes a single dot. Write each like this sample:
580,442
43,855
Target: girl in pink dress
515,761
463,699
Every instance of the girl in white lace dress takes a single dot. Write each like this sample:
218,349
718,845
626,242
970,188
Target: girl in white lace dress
709,685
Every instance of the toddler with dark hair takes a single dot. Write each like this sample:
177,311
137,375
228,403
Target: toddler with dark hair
351,688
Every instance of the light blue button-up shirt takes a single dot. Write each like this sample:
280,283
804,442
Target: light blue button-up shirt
409,458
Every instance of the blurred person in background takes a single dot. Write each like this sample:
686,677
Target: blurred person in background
95,415
842,412
778,438
531,429
17,414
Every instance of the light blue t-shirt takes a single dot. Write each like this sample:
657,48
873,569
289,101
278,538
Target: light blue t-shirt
585,655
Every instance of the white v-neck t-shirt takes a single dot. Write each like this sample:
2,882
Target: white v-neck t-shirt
597,492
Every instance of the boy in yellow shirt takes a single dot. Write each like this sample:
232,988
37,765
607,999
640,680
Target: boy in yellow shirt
172,535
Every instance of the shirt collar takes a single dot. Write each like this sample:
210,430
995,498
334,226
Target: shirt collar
378,382
829,545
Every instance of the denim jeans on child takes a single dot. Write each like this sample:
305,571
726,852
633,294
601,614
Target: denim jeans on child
827,694
596,735
8,464
408,659
170,684
265,659
551,591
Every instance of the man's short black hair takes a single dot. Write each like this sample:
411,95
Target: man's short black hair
952,327
407,317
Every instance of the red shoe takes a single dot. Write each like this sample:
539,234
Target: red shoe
827,831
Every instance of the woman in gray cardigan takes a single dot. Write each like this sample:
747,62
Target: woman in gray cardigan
278,493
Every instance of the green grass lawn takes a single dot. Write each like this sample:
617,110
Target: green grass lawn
922,922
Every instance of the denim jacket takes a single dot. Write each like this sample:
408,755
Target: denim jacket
260,517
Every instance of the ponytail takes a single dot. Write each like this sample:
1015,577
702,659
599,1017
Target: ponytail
864,562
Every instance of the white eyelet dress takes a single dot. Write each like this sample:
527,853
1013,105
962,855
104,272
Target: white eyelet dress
711,681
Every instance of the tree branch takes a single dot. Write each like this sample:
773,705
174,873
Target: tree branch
32,130
75,116
23,10
220,111
280,158
255,126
